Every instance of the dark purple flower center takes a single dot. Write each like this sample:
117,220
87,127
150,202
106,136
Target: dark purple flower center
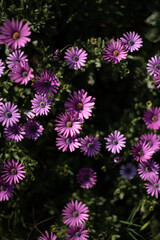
24,74
13,171
78,234
69,140
157,66
33,129
156,185
17,60
115,53
79,106
154,118
75,214
128,170
3,188
15,131
86,177
148,169
131,43
69,124
115,142
75,58
16,35
90,145
42,104
47,83
141,153
8,114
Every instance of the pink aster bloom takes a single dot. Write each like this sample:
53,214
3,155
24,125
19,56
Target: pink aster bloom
2,67
153,141
132,41
115,142
14,33
86,177
46,83
13,172
9,114
80,103
90,146
6,190
33,129
141,152
75,58
114,51
67,142
153,187
67,124
22,73
16,57
75,213
14,133
153,65
77,233
47,236
151,118
148,169
41,104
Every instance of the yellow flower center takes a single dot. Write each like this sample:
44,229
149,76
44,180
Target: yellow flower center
154,118
69,124
13,171
141,153
148,169
16,35
115,53
2,188
79,106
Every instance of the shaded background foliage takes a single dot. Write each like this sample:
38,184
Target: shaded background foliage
116,205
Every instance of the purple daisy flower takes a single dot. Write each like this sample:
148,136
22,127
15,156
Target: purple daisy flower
41,104
33,129
46,83
77,233
141,151
6,190
12,172
148,169
16,57
75,213
151,118
75,58
90,145
14,133
153,65
67,142
80,103
22,73
47,236
132,41
128,171
157,81
9,114
153,187
115,51
1,67
14,33
115,142
67,124
86,177
153,141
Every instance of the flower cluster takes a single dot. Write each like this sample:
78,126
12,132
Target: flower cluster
115,51
75,214
11,173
